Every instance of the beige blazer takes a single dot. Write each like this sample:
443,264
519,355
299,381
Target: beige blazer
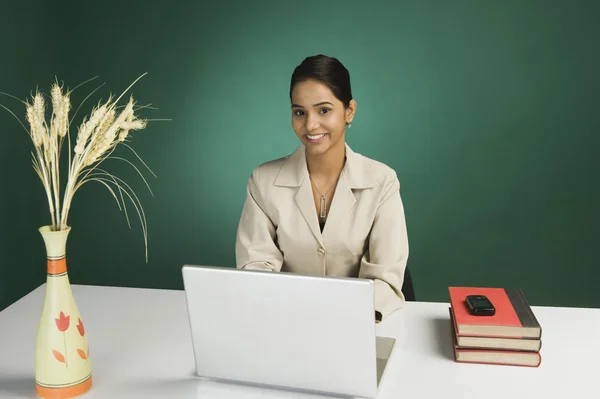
364,236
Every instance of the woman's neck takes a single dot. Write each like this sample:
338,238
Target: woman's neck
327,166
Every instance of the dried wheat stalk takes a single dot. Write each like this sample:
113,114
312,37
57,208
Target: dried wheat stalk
98,136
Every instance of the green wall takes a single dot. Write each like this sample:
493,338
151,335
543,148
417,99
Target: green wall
488,111
29,56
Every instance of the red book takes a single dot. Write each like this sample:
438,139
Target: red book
513,317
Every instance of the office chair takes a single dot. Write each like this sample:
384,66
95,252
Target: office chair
408,288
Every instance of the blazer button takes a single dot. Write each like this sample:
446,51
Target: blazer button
321,251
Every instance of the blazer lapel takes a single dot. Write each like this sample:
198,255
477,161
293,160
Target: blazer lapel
353,177
342,203
294,174
304,200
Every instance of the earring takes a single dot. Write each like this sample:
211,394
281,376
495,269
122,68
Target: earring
348,124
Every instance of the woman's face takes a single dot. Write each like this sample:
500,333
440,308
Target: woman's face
318,117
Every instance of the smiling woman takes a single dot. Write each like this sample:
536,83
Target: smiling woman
326,210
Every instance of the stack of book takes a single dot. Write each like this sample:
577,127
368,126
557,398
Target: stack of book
512,336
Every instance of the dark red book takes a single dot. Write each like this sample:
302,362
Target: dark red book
494,356
513,318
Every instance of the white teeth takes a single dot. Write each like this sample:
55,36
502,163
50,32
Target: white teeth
315,137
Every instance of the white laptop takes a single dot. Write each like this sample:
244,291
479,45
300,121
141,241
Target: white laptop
285,330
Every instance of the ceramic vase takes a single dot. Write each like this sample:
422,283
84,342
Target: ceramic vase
62,358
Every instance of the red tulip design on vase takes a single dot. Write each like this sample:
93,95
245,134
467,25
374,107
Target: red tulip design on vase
82,354
62,323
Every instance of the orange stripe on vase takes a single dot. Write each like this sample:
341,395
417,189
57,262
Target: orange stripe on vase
58,266
66,392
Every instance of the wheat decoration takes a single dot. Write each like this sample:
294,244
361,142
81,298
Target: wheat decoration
107,126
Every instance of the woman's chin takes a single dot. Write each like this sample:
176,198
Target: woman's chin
316,149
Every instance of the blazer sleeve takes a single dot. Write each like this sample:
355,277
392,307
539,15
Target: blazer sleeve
385,261
255,246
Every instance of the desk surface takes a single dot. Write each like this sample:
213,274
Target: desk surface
153,355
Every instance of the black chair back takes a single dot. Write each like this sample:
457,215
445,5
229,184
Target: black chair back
408,288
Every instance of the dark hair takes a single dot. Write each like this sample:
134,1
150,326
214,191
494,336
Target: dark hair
327,70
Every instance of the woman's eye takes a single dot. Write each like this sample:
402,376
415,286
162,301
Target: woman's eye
324,110
299,113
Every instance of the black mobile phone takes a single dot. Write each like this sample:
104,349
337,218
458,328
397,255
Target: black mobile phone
480,305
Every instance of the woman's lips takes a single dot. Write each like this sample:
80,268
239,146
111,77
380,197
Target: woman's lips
315,138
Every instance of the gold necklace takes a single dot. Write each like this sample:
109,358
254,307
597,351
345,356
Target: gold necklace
323,201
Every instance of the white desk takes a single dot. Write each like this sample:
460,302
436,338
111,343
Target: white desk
151,355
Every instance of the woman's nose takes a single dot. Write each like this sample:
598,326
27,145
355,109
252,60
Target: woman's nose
312,122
